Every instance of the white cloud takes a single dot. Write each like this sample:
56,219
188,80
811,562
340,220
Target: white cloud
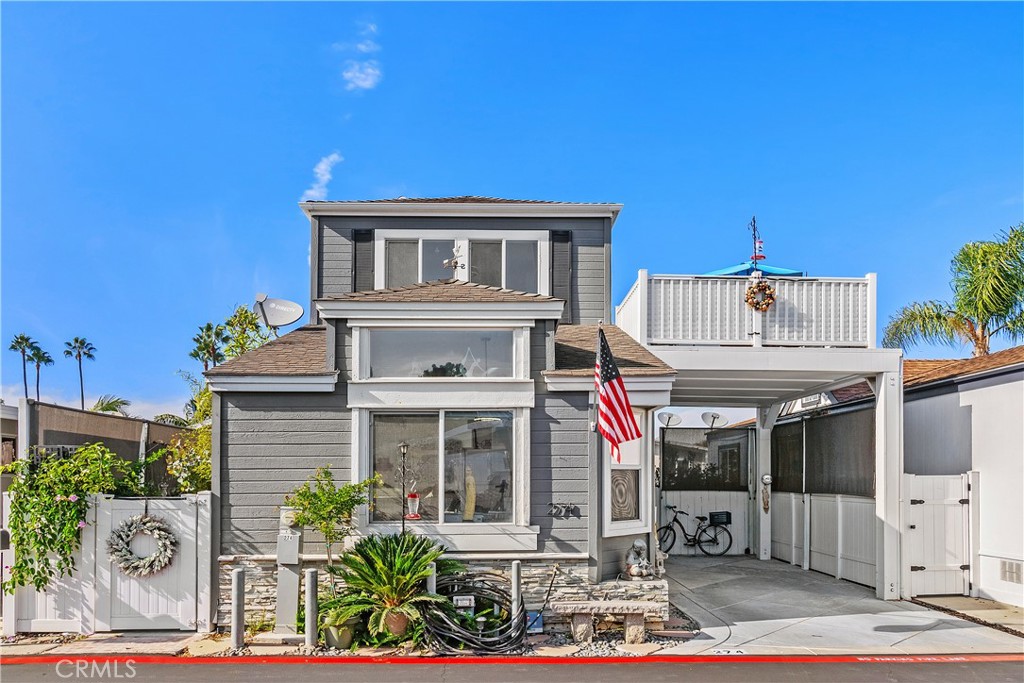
368,28
362,75
367,46
322,172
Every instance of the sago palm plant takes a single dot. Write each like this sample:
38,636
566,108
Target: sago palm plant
386,577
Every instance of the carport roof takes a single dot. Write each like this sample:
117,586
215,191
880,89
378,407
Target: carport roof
748,376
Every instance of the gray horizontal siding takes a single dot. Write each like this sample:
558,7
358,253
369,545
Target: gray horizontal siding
270,444
334,259
560,470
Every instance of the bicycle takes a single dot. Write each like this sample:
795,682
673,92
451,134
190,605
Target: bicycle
711,539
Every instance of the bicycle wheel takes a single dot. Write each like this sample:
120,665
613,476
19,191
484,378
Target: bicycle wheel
666,538
714,540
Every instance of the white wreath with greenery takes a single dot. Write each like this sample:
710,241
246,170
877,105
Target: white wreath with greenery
119,545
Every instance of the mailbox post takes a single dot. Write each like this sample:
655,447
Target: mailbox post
289,574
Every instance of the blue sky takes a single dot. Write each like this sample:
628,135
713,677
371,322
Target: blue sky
153,154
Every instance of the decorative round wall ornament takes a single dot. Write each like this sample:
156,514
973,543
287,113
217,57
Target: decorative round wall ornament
119,545
760,295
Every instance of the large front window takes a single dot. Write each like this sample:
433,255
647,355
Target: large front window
471,452
440,353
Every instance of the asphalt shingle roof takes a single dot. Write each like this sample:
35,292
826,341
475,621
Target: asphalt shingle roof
300,352
443,291
576,348
968,366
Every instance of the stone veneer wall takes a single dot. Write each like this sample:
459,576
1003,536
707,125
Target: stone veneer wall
570,583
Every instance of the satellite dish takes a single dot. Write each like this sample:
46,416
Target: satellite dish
669,419
711,419
276,312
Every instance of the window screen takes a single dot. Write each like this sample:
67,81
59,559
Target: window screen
485,263
521,265
402,263
435,253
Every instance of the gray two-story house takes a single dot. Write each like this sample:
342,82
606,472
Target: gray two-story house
464,328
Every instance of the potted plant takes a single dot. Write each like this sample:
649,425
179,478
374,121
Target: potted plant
385,578
326,507
337,628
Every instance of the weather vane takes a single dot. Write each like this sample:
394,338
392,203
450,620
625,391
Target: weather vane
755,235
453,263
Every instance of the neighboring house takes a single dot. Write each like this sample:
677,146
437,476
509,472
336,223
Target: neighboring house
960,417
484,368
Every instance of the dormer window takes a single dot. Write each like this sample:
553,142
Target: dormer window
513,259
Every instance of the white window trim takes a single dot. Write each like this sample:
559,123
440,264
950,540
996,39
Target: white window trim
636,526
466,537
274,383
462,239
361,360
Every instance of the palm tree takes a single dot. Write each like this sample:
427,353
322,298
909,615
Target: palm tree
40,358
209,342
79,348
171,419
109,403
988,299
23,344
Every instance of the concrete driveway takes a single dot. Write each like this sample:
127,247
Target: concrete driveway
748,606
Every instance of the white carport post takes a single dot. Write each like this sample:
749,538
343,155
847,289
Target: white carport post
888,485
766,418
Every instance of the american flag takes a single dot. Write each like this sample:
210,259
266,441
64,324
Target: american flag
614,413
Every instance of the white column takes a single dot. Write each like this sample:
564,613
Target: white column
888,484
766,418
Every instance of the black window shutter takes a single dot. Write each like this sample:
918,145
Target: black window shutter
362,260
561,270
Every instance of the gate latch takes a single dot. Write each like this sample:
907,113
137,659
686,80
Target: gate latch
964,501
916,501
916,568
965,566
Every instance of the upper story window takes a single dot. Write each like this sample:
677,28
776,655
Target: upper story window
456,352
518,260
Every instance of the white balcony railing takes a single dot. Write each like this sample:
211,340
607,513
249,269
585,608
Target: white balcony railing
710,310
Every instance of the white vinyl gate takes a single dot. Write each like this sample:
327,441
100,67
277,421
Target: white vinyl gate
98,596
936,538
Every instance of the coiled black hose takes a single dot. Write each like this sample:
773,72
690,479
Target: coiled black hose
445,635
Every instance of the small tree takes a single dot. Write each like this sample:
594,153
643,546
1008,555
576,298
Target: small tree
210,343
326,507
245,332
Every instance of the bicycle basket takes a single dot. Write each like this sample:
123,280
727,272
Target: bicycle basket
721,518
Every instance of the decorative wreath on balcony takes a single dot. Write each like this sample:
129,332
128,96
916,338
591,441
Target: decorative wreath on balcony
760,296
119,545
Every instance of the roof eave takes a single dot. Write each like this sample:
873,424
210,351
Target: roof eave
352,309
476,209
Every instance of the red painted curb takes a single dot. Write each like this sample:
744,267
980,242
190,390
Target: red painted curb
15,660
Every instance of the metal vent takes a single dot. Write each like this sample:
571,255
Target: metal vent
1012,572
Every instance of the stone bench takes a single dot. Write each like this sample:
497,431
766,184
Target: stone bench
582,613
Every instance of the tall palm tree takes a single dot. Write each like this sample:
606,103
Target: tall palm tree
988,299
209,342
23,344
40,358
78,348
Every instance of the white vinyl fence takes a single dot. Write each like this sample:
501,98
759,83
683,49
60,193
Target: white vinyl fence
99,597
837,537
702,503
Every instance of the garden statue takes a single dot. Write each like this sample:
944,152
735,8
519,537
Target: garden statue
637,564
